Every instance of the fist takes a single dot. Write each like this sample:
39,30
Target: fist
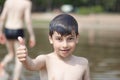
22,50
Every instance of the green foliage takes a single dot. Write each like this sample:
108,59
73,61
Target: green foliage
91,6
97,9
88,10
83,10
2,2
109,4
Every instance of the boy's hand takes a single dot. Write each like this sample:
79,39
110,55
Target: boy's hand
2,38
32,42
22,50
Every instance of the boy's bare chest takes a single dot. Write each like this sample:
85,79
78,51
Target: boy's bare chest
63,71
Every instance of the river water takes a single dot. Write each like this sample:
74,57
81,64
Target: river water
103,54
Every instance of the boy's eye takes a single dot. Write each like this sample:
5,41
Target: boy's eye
59,38
71,38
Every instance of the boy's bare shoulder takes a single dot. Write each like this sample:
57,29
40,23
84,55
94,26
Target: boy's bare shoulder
28,2
44,56
81,60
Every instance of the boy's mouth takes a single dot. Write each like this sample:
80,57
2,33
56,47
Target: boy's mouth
65,50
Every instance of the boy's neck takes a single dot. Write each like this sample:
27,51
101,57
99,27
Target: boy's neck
66,59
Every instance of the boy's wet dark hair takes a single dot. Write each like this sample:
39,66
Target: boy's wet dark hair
64,24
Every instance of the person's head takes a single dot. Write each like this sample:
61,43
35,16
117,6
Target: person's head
64,24
63,34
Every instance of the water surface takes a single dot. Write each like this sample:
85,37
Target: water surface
103,55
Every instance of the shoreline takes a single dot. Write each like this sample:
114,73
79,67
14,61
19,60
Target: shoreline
95,21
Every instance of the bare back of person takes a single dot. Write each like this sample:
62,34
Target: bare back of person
15,13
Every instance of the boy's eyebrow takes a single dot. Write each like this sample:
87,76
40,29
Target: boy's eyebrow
71,36
58,36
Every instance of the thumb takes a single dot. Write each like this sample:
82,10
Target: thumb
21,40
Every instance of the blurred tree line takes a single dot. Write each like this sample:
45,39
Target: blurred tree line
79,5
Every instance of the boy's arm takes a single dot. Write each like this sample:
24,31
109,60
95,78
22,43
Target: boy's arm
2,17
2,21
29,24
34,64
31,64
87,72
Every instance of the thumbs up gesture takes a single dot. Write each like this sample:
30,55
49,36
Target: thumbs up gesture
22,50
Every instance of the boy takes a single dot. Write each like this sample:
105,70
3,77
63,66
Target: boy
60,64
14,13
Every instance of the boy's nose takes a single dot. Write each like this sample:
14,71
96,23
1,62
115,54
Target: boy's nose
65,44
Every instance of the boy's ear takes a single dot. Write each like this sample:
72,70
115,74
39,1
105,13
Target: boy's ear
50,39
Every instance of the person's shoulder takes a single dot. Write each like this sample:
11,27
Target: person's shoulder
81,60
28,2
7,2
44,56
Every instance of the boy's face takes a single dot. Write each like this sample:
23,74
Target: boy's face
63,45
